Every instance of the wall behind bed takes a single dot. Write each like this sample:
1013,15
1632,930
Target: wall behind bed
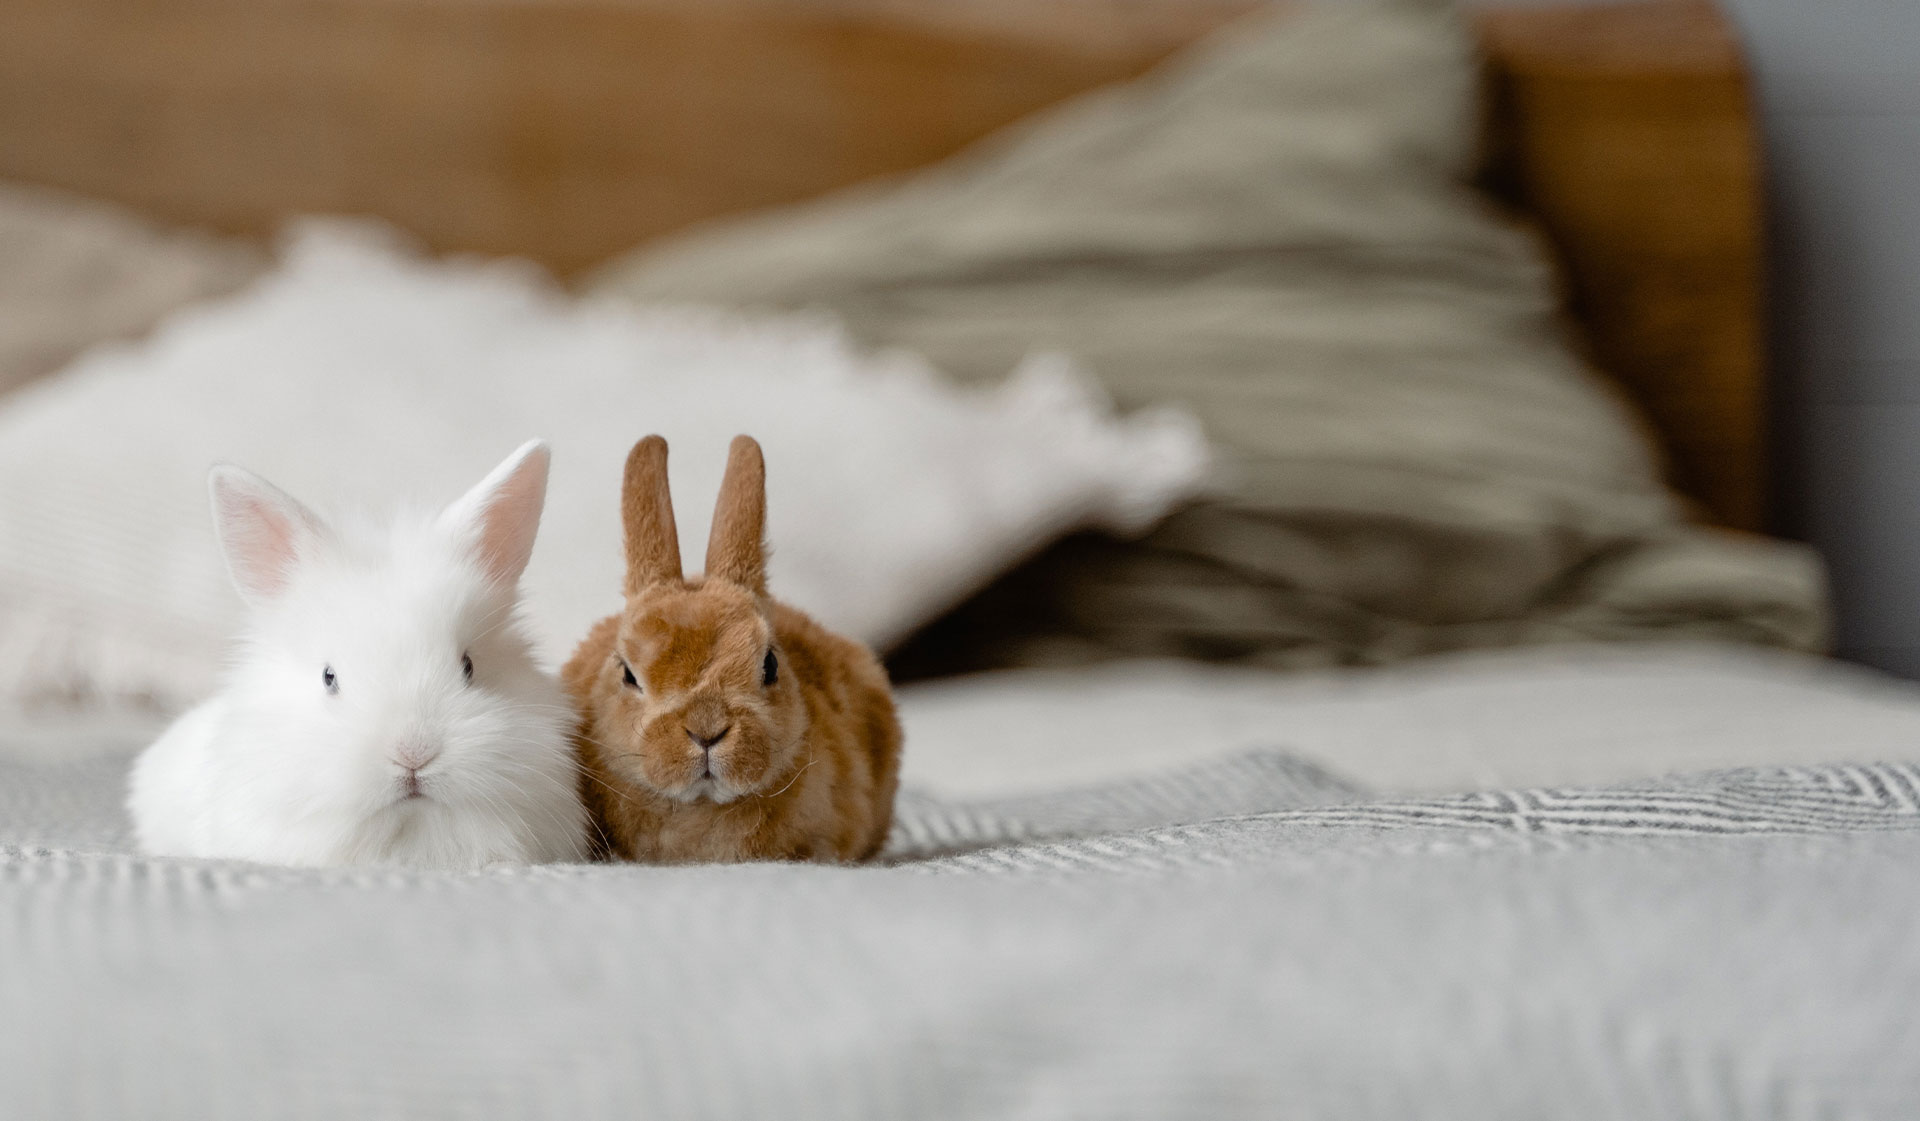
1840,102
1841,99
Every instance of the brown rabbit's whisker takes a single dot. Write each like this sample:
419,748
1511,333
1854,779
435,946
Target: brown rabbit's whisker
587,772
791,781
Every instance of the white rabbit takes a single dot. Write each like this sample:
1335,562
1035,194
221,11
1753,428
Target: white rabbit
384,706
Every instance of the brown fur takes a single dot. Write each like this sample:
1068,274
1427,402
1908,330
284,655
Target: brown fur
803,770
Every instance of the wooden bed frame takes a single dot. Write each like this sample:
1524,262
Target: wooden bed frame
569,130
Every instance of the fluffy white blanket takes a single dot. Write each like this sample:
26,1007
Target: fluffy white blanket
357,374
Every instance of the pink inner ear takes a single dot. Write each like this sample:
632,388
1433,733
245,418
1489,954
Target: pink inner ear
263,543
507,527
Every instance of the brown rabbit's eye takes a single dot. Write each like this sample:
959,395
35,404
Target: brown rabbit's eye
626,675
769,671
466,667
329,680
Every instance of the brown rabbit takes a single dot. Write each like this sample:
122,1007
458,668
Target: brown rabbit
718,724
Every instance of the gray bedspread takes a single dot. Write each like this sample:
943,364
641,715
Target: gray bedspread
1253,939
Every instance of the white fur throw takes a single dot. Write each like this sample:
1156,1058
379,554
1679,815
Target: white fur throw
358,375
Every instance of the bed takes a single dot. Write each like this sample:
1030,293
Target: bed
1571,878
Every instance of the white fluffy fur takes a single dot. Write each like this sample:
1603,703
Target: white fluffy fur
277,768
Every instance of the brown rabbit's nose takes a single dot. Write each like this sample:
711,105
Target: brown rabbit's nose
706,741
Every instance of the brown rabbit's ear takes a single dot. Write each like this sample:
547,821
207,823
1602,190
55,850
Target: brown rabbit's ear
736,548
646,509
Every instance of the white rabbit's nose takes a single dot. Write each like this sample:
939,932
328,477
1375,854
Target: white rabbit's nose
415,754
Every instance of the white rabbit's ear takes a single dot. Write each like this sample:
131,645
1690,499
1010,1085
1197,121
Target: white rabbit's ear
263,531
501,515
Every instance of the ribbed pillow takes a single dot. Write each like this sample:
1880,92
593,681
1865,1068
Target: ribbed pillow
1279,231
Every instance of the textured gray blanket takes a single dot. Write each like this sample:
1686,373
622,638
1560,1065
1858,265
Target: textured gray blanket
1257,939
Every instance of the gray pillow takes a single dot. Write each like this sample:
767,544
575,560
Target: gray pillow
1279,230
74,273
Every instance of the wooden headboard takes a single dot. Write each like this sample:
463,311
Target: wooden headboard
569,130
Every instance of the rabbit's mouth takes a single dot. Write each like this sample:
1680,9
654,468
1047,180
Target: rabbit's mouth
410,789
708,787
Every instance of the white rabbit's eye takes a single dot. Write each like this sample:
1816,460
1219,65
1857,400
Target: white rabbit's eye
329,680
466,667
626,672
769,670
